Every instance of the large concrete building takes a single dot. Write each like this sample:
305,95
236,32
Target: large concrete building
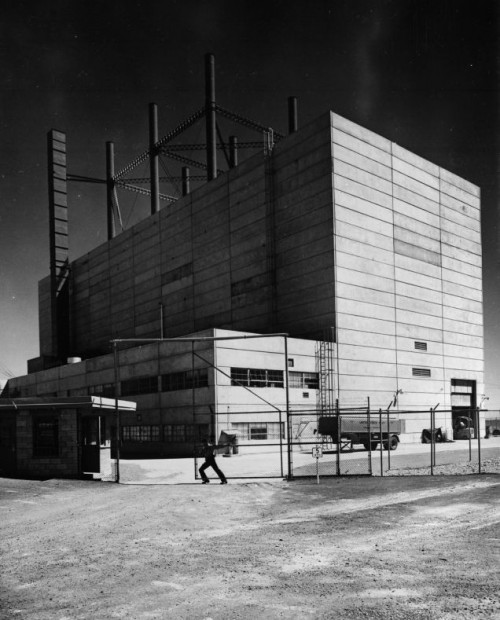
367,255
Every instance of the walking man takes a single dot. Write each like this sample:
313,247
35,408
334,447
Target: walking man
209,454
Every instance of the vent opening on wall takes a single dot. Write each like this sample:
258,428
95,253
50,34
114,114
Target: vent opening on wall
420,346
421,372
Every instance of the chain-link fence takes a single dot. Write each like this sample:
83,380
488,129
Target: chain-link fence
354,441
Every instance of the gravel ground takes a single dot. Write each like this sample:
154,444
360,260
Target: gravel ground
490,466
394,548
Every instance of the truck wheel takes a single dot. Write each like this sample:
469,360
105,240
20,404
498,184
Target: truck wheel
393,443
367,445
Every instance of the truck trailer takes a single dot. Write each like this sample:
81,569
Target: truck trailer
347,430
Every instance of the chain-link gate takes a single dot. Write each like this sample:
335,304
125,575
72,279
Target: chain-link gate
324,444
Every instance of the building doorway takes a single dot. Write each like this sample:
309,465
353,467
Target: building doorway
8,444
463,408
94,440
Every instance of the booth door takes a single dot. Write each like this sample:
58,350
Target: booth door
91,443
8,444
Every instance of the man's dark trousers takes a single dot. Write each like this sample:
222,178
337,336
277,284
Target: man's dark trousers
210,462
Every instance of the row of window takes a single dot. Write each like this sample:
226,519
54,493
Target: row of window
194,433
255,377
187,380
259,430
169,433
46,434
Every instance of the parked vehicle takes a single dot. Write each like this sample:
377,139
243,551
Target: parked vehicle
361,430
463,428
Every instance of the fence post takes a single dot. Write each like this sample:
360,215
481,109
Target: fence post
370,470
432,441
478,421
117,410
470,439
338,435
280,426
288,415
381,442
388,442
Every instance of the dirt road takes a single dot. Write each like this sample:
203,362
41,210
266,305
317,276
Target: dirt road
391,548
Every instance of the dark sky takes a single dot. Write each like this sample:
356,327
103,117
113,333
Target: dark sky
422,73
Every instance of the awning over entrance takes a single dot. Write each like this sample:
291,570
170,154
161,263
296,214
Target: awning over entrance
91,403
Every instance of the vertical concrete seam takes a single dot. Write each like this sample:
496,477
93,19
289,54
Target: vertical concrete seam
396,344
482,299
443,364
334,234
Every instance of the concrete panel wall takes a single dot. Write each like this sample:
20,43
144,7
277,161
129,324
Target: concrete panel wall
364,224
462,282
303,221
207,258
408,273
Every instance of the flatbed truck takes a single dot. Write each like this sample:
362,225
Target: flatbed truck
358,429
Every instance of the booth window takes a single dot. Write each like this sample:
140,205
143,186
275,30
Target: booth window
46,436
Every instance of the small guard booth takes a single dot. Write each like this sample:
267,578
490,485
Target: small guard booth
49,437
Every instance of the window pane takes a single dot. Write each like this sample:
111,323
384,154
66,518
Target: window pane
275,378
239,376
258,432
295,379
46,437
203,377
258,377
311,380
